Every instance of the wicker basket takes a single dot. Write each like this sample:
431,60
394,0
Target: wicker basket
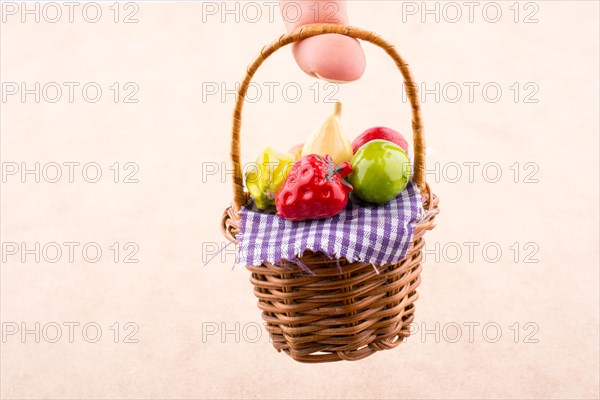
333,315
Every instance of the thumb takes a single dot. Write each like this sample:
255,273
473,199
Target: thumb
332,57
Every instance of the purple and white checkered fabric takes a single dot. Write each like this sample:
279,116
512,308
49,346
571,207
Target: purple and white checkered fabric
373,234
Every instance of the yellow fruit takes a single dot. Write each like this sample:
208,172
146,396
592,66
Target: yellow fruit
330,140
264,180
296,151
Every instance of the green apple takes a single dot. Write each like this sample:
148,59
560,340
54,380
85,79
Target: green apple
380,171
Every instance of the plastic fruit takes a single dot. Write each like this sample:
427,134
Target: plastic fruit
330,140
266,177
296,151
379,133
381,170
315,188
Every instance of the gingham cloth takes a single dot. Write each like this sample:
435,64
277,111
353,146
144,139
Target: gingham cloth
373,234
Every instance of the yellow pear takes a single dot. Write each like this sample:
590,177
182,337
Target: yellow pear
330,140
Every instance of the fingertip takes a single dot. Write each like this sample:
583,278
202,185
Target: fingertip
332,57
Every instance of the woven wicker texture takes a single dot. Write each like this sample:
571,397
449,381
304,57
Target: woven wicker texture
345,311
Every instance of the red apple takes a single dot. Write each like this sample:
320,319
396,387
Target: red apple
379,133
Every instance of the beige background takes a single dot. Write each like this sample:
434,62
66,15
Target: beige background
173,216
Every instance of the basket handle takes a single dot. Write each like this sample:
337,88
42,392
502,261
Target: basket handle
304,32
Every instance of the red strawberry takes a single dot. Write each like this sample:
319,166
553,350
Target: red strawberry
314,188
